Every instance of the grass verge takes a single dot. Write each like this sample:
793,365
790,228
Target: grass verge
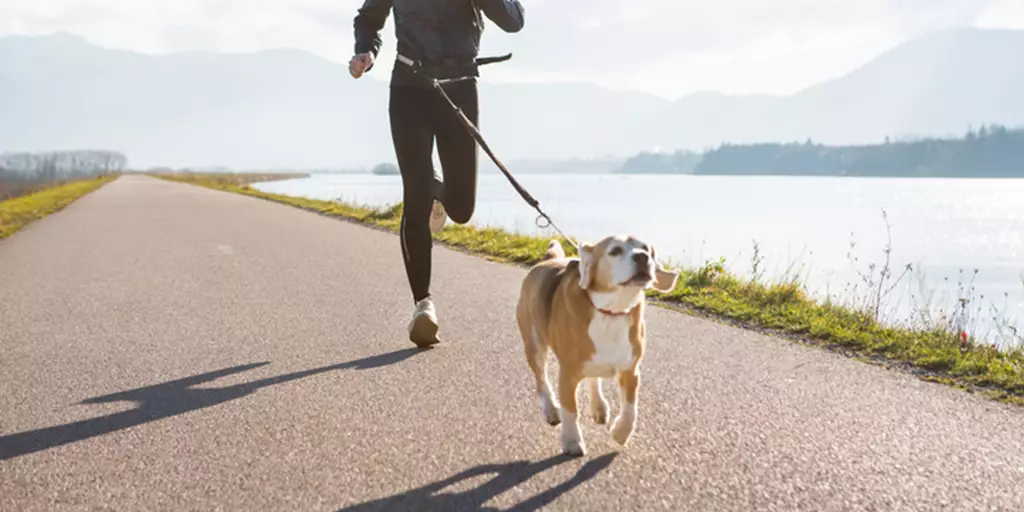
936,355
21,211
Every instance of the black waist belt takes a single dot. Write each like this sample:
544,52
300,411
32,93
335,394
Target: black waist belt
451,62
447,62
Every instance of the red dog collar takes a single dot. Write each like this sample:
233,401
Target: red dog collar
606,311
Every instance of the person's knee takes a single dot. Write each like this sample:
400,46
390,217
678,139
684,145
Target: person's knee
460,213
460,195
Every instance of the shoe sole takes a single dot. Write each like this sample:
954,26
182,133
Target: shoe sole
424,332
438,217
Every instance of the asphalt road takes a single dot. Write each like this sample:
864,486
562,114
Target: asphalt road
169,347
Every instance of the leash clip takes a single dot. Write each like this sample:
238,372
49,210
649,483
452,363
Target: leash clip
543,222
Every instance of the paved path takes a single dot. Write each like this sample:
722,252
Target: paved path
168,347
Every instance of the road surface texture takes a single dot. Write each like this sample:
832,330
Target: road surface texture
169,347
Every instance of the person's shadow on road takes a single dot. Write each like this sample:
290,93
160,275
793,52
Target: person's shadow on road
170,399
506,476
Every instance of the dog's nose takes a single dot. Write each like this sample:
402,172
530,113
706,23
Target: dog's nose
641,258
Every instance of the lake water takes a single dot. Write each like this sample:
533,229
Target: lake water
951,231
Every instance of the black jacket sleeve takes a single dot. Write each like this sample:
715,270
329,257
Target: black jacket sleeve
368,24
506,14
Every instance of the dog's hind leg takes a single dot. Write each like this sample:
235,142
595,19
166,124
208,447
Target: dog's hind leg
598,404
537,358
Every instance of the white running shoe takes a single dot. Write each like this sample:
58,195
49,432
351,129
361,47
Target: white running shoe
437,216
423,326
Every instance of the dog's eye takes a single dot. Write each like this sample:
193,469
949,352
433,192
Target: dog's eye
615,251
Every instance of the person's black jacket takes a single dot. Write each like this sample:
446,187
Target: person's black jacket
434,32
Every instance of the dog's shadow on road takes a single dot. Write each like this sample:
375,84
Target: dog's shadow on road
168,399
506,476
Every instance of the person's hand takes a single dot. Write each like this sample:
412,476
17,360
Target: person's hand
359,64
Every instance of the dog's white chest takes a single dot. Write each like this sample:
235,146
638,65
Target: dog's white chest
612,351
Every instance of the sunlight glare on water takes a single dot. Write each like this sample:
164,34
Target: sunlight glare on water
945,228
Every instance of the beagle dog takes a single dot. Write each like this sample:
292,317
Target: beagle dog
589,311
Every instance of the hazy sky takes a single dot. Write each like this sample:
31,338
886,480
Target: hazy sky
666,47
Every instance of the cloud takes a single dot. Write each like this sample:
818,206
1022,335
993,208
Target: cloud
670,47
657,45
587,35
190,37
778,64
160,26
1002,14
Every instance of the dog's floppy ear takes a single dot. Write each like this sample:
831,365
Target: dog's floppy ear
664,280
587,261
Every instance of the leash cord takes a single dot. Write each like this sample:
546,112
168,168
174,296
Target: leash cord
475,133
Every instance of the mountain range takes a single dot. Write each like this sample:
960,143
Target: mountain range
290,108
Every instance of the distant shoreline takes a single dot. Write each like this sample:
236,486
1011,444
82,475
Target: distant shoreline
990,152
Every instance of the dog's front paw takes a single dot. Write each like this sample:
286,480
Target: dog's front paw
599,410
550,410
572,438
622,430
573,447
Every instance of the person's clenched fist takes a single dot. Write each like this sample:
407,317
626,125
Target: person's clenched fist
359,64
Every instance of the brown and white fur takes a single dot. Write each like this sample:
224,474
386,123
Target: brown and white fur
589,311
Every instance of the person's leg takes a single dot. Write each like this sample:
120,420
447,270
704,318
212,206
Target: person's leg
412,133
458,150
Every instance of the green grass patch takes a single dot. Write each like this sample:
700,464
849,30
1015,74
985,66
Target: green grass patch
21,211
219,180
781,306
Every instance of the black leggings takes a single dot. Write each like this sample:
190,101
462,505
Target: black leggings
418,116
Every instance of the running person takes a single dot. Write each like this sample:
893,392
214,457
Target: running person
444,37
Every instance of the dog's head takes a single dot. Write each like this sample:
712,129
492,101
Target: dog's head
618,262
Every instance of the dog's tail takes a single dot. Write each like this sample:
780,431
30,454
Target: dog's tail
554,251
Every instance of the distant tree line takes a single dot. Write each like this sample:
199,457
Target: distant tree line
990,151
57,165
679,162
385,169
23,172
